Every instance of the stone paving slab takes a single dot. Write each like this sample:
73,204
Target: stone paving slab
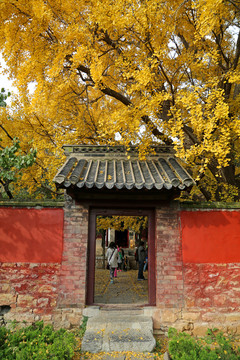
92,342
135,340
111,322
119,340
123,356
141,357
110,357
111,332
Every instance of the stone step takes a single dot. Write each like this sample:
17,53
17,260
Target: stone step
111,331
128,311
111,322
91,311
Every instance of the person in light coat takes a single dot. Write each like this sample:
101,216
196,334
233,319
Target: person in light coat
112,258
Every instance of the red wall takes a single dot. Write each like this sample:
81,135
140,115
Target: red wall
31,235
210,236
36,236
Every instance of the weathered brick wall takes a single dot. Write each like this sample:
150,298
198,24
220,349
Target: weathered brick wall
169,274
210,286
211,300
192,296
72,288
51,292
189,296
30,290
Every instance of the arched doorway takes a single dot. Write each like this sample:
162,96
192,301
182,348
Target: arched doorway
128,280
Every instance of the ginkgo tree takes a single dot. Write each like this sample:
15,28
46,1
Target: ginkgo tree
121,223
132,72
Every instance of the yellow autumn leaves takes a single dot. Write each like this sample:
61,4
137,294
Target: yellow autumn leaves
121,223
125,71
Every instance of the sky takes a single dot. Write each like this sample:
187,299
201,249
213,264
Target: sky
4,81
8,84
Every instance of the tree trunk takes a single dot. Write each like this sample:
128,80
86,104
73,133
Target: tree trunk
6,188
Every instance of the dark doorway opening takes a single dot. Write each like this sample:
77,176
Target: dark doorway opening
121,238
126,289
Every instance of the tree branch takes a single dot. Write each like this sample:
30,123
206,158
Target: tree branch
184,41
125,101
237,54
6,188
8,135
217,38
234,4
110,42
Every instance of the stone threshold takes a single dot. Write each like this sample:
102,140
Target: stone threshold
118,329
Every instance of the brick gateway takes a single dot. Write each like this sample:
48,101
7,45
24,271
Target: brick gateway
195,278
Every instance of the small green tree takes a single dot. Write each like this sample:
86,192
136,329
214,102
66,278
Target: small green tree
12,161
3,96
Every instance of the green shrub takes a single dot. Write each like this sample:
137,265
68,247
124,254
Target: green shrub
213,346
36,342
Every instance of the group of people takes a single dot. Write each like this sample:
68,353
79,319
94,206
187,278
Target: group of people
117,261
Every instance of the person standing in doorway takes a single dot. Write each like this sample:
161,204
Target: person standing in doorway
141,260
120,258
112,258
146,261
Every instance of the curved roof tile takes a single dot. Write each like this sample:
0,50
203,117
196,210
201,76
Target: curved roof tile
111,167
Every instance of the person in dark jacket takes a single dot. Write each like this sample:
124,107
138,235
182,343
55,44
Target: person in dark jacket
141,260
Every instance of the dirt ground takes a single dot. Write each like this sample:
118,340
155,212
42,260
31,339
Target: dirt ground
126,289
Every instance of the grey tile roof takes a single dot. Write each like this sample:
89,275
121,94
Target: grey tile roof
104,167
